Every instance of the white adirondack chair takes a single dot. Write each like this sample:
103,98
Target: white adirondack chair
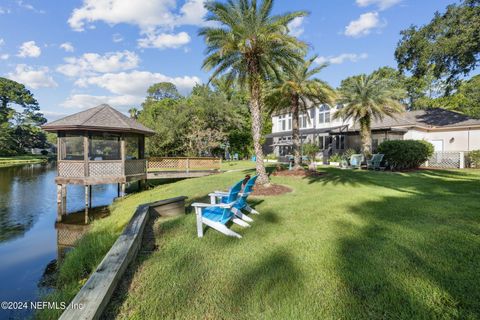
217,216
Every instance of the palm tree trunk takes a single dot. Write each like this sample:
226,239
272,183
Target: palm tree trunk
297,157
255,96
366,136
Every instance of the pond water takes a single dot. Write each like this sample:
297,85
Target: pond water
28,238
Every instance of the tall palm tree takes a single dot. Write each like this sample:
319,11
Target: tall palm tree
134,113
250,46
299,90
366,98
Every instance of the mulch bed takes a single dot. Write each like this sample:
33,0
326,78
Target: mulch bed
272,190
302,173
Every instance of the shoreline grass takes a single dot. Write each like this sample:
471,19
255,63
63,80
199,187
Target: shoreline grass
349,244
19,160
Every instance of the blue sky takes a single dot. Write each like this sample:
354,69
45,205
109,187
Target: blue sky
77,54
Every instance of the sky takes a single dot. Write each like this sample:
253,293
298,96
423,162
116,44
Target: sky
77,54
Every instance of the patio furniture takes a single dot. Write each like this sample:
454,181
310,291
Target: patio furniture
356,161
375,162
241,203
217,216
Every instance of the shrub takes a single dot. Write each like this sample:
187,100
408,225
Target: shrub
405,154
348,154
310,150
474,158
335,158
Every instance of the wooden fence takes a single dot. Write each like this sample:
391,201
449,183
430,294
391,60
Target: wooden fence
186,164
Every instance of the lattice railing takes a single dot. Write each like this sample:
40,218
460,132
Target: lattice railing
133,167
446,159
105,168
183,164
71,169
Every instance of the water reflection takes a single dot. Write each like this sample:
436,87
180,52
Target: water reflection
28,238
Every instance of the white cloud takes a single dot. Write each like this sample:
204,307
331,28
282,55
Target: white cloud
67,46
2,42
146,14
33,77
382,4
341,58
296,27
29,49
92,63
4,56
117,37
85,101
136,83
164,40
363,25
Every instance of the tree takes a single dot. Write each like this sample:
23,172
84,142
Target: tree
298,91
466,99
19,130
366,97
250,46
449,45
163,90
134,113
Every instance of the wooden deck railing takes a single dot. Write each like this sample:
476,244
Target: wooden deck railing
100,168
186,164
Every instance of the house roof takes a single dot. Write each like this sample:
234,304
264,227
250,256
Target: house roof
430,118
100,118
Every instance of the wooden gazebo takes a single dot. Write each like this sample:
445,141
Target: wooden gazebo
98,146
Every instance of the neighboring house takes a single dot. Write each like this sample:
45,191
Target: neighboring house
446,130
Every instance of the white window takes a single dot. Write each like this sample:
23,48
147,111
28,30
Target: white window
282,123
303,121
324,114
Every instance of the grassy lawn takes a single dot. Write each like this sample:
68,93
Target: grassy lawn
13,161
347,245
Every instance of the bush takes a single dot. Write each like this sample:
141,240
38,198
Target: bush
335,158
405,154
310,150
348,154
474,158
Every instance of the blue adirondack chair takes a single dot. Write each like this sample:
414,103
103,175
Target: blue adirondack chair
356,161
217,216
241,203
375,162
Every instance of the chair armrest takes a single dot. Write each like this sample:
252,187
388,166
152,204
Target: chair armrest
208,205
218,194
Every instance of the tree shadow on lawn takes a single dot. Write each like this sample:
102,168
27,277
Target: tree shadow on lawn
421,181
412,257
265,285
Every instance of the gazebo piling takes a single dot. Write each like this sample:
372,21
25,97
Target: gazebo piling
98,146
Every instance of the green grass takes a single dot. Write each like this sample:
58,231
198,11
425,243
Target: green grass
17,160
347,245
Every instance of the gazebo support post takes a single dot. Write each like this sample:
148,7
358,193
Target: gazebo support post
87,197
123,187
64,199
90,196
59,203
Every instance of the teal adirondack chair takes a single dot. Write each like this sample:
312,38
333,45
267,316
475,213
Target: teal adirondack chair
356,161
217,216
375,162
241,203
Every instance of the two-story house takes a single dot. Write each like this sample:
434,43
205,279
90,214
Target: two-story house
446,130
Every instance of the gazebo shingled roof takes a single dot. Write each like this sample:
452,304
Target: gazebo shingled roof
100,118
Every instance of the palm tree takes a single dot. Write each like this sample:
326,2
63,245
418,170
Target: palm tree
134,113
366,97
299,90
250,46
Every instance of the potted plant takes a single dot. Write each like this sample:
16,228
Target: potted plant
335,159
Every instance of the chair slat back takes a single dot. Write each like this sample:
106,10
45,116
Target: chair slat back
356,159
232,196
249,185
